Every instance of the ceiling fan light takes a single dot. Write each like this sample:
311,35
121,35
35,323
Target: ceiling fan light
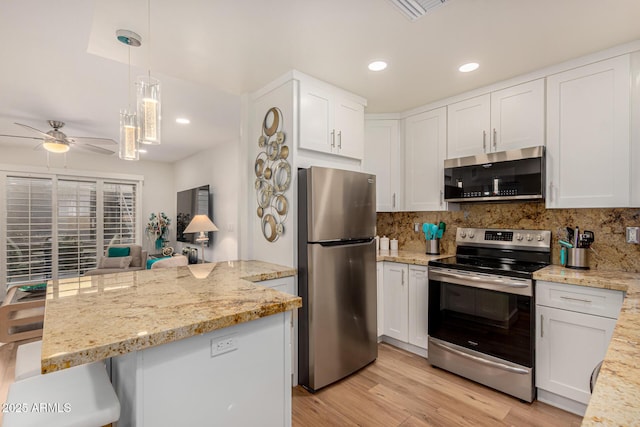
55,146
148,102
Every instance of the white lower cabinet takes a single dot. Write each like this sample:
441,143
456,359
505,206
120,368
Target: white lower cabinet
418,305
405,291
396,299
574,325
380,302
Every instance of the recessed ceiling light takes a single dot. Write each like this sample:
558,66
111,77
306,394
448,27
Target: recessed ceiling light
183,121
377,65
471,66
142,150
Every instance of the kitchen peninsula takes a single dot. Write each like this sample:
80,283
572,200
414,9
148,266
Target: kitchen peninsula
188,344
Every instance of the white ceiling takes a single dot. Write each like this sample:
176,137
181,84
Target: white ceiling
60,60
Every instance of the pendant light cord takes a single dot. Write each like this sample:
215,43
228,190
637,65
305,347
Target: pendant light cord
149,36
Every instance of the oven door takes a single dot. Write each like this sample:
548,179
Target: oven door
489,314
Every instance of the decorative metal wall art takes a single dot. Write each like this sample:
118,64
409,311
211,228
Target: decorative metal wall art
273,176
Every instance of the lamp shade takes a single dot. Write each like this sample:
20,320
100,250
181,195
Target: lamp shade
200,223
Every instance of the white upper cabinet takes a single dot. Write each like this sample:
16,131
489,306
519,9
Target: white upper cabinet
425,152
517,117
469,123
507,119
382,158
330,120
588,144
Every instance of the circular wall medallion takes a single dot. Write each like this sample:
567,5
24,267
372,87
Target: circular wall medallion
281,204
284,152
271,121
280,137
269,228
273,150
281,176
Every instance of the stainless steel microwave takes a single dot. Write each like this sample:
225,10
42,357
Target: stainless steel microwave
506,175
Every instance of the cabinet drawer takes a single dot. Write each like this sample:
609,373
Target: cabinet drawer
581,299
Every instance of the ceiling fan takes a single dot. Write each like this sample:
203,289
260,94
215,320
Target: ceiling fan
55,141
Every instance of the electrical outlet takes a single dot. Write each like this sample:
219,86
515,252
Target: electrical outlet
224,345
633,235
416,227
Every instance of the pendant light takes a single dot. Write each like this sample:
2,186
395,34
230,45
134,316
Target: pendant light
148,99
128,148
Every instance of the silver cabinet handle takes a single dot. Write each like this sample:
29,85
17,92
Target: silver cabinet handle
484,140
394,200
402,277
340,139
333,138
441,197
495,139
541,326
551,191
576,299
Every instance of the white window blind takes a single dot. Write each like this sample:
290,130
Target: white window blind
58,226
76,227
29,229
119,213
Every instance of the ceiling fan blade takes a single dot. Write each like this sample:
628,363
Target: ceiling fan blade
35,130
39,147
91,140
26,137
93,148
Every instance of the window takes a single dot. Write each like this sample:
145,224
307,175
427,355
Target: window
58,226
29,228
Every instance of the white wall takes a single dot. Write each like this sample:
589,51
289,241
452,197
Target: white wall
282,251
219,168
158,192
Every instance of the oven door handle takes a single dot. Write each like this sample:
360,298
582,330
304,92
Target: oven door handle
478,279
497,365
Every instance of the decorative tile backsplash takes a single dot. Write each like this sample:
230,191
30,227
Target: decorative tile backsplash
610,250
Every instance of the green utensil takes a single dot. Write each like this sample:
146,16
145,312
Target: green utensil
441,229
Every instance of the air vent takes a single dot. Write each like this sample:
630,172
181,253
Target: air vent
414,9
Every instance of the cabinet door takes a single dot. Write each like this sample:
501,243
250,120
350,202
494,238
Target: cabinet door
517,116
418,305
348,128
316,118
468,127
425,151
569,345
381,157
380,288
396,293
588,145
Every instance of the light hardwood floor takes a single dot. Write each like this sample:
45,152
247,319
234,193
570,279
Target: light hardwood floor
398,389
402,389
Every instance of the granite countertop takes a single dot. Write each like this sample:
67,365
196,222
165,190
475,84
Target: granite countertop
614,401
408,257
96,317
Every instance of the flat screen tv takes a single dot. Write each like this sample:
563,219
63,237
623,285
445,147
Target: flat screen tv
195,201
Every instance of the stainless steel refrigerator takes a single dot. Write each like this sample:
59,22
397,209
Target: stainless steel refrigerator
336,274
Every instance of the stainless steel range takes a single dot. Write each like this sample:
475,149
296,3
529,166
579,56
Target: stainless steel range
481,308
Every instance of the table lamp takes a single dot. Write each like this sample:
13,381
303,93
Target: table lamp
201,224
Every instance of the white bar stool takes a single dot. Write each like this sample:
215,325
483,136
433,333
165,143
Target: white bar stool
28,360
81,396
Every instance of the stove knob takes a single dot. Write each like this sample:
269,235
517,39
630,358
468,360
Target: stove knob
518,237
471,235
463,234
529,237
540,237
